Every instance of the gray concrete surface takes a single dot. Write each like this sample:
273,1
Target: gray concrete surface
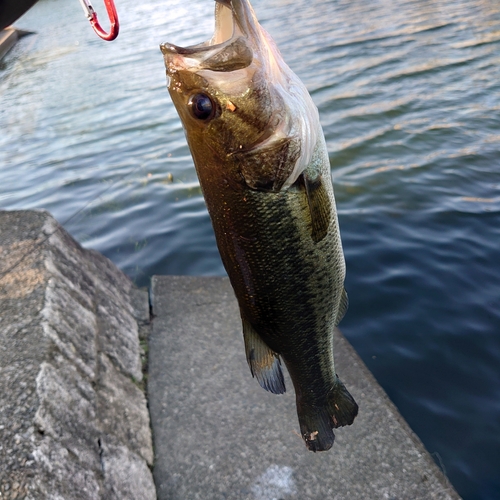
74,423
218,435
8,38
73,418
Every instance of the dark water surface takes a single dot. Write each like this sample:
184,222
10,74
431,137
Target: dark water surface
409,97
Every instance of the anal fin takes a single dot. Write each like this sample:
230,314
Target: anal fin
264,363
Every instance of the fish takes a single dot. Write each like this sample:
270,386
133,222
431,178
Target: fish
261,158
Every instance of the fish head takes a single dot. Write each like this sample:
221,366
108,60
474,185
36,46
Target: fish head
239,102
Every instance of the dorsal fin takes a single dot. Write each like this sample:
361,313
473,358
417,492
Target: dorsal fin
344,304
264,363
320,206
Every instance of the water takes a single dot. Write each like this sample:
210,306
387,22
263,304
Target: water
409,98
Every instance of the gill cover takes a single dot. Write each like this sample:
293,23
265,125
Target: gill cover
238,100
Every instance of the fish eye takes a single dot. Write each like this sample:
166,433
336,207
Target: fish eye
201,106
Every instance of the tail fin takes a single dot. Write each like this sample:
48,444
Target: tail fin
341,405
317,423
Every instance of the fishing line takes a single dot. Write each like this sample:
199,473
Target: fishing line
39,243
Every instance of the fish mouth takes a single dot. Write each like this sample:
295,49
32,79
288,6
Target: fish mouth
224,22
232,18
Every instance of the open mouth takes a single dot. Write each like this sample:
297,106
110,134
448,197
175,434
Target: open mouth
224,22
225,30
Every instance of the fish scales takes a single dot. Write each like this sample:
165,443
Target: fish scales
265,175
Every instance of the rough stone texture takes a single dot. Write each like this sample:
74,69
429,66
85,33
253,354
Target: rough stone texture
74,422
218,435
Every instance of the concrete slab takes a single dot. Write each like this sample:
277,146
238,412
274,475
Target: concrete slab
218,435
8,38
74,421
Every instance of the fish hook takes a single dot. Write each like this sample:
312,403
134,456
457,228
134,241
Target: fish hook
92,17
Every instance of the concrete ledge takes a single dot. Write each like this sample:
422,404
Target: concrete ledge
73,417
218,435
8,38
74,422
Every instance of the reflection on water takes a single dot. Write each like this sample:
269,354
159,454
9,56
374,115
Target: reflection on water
408,94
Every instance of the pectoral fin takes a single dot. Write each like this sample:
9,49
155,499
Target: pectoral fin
319,205
267,166
264,364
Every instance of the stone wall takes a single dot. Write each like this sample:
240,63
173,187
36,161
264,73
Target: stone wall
74,422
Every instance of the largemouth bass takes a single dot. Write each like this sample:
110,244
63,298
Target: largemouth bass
261,159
